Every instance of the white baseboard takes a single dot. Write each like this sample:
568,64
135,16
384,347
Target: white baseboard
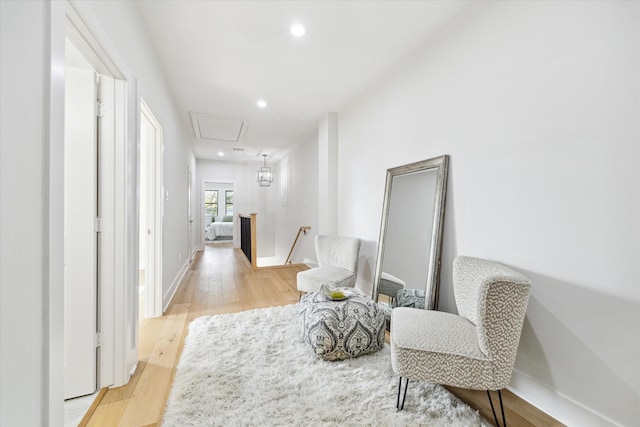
133,370
561,407
166,299
194,251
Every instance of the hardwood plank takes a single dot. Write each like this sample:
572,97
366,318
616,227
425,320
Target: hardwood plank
147,402
108,414
517,411
96,402
126,391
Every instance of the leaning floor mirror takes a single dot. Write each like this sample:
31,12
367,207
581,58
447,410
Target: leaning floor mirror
410,243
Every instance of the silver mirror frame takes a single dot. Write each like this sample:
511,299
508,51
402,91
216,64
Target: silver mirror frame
432,287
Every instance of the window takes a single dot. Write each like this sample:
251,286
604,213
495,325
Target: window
211,203
228,200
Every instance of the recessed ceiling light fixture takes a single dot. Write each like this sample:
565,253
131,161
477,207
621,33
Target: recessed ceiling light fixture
220,153
298,30
261,103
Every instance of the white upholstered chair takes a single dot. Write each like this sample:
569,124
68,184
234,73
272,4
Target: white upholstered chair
475,349
337,264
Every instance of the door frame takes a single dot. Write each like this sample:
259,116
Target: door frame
155,188
118,293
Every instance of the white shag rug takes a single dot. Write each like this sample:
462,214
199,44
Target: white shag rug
253,369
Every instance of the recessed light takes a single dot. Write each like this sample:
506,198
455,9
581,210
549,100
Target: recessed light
298,30
261,103
220,153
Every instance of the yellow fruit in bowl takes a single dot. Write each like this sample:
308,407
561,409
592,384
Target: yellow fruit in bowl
337,294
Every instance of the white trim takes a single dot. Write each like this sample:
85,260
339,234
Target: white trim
555,404
83,38
128,173
168,297
133,369
197,132
119,234
53,222
106,361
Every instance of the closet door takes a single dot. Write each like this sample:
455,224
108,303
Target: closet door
80,233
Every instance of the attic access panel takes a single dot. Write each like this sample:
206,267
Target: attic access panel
217,128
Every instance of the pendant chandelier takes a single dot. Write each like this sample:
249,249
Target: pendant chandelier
265,176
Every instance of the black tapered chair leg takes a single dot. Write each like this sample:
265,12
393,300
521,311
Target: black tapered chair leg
400,405
504,421
404,396
495,417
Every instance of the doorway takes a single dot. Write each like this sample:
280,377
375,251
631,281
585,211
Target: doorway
218,212
114,338
150,215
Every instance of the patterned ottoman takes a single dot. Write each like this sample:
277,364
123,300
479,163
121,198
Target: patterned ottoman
341,329
410,298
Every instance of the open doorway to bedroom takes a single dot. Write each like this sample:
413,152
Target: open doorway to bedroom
218,212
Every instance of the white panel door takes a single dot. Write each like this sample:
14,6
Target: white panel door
147,215
152,148
80,241
190,223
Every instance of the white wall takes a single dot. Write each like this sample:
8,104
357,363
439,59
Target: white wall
299,207
31,269
538,104
328,174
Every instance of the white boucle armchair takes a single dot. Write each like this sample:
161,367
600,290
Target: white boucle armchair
337,264
475,349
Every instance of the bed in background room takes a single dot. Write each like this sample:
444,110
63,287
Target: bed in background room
220,229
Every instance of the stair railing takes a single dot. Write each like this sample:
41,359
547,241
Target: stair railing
248,238
302,230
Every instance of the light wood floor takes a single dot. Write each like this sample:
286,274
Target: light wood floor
220,281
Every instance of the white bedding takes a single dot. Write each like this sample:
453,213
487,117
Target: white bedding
216,229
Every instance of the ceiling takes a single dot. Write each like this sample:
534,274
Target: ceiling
220,57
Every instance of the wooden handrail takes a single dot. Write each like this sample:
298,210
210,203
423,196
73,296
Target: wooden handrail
303,230
248,238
